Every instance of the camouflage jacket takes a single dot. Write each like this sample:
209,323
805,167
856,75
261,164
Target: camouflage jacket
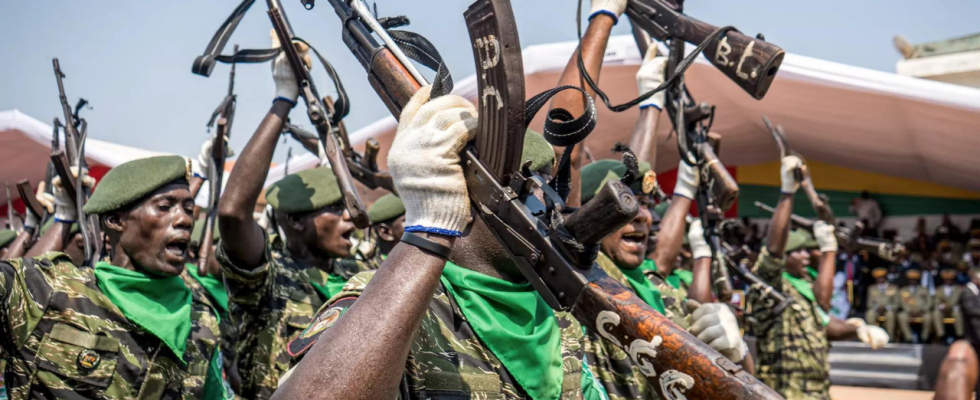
673,298
446,359
271,305
792,346
61,338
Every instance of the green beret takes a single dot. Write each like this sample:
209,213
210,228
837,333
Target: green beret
598,173
811,242
131,181
386,208
7,236
47,225
198,232
795,241
537,150
304,191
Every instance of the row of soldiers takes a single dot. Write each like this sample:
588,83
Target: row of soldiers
911,303
438,310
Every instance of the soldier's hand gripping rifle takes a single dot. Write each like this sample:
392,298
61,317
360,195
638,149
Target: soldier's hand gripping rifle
771,298
73,156
850,239
555,252
334,146
817,200
223,116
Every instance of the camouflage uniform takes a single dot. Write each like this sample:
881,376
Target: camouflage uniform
674,299
792,346
447,359
271,305
56,321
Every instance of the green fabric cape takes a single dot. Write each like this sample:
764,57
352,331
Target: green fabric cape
335,283
644,288
214,287
162,306
214,385
515,323
680,275
805,288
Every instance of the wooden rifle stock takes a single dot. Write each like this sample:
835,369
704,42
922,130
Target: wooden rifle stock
752,63
30,200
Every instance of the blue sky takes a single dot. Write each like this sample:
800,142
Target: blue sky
131,59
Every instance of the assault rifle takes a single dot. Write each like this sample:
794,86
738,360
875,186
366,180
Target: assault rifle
817,200
12,215
848,238
225,114
551,247
771,298
73,156
333,147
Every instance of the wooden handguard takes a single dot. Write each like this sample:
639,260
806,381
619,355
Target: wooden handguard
612,208
391,81
30,200
723,187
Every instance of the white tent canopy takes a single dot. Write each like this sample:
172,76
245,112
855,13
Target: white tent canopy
25,149
838,114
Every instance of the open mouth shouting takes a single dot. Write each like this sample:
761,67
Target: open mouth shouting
634,241
176,249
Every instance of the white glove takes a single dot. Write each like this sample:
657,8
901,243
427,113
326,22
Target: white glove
870,334
612,8
425,164
60,201
31,222
688,179
199,167
787,174
824,233
650,76
282,72
714,324
695,236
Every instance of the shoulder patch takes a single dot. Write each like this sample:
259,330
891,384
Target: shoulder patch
323,320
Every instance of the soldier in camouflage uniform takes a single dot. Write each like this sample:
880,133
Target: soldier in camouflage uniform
387,216
793,346
468,328
915,303
276,284
129,327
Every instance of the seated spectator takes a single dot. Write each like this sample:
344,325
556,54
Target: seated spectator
972,255
868,212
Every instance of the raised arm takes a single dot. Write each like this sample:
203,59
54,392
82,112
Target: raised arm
243,239
65,214
779,225
674,222
373,337
824,287
700,289
604,15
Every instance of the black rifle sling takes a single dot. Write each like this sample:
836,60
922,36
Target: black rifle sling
420,50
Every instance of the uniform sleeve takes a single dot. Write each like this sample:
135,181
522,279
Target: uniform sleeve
769,268
323,320
247,286
24,294
6,281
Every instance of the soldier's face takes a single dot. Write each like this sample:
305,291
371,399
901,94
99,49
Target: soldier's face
627,247
797,261
155,234
333,228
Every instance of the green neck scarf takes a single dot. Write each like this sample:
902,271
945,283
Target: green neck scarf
333,285
680,275
514,322
214,287
805,289
813,273
162,306
644,288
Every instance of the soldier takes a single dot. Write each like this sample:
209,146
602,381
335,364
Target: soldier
129,327
972,255
882,301
793,346
915,303
276,284
948,303
7,237
465,322
387,216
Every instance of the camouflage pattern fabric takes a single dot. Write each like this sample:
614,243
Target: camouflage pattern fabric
229,330
61,338
271,305
792,346
674,299
447,360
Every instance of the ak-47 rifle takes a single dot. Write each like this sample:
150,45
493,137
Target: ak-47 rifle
225,114
73,156
12,216
551,249
817,200
771,298
848,238
31,204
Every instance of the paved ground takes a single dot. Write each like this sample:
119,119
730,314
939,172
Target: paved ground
860,393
